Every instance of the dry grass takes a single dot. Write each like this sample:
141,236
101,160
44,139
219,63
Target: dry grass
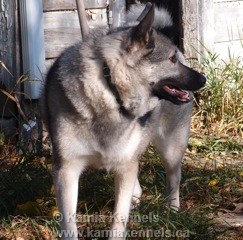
220,104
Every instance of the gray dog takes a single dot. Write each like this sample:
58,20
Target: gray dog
107,122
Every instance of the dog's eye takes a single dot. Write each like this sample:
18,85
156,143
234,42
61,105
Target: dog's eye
173,59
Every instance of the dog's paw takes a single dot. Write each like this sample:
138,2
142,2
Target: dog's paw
137,193
135,203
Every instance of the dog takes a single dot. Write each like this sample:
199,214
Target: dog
107,122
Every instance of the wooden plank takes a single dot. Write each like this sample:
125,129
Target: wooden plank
206,25
61,30
234,47
8,43
228,21
9,56
219,1
57,41
58,20
196,16
50,5
189,27
53,5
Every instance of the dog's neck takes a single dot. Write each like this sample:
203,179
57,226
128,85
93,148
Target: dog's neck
111,85
115,92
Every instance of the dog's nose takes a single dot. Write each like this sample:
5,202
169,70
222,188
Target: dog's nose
203,79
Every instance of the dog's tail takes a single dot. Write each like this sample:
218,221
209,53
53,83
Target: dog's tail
162,17
162,20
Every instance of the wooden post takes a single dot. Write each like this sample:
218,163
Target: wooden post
8,42
9,57
117,9
82,17
196,20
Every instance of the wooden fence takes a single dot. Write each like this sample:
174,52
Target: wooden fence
62,27
214,24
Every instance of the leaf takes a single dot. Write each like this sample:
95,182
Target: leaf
213,182
4,66
195,142
238,208
54,212
30,209
39,201
53,190
16,100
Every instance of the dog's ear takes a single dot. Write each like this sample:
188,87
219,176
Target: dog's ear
141,39
143,31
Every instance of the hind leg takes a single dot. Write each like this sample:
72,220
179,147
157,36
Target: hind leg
171,141
172,153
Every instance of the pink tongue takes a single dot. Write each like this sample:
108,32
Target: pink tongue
182,94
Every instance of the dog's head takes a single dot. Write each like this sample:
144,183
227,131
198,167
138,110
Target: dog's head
160,63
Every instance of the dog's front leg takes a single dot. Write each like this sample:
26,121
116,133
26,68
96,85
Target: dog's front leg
125,178
66,180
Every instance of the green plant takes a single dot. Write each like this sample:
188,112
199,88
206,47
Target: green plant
221,101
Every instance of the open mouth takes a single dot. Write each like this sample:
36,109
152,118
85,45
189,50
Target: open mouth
176,92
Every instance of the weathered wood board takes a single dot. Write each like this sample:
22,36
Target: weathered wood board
217,1
53,5
61,30
50,5
197,31
227,49
9,58
228,21
8,43
210,23
217,25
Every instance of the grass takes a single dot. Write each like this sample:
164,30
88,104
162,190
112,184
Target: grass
221,102
28,203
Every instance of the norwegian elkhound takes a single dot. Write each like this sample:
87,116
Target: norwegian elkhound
107,122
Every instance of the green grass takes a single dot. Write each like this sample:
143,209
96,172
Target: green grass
27,198
220,103
215,145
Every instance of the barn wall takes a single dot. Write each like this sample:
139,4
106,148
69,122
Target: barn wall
197,30
61,24
214,24
8,42
228,27
9,58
